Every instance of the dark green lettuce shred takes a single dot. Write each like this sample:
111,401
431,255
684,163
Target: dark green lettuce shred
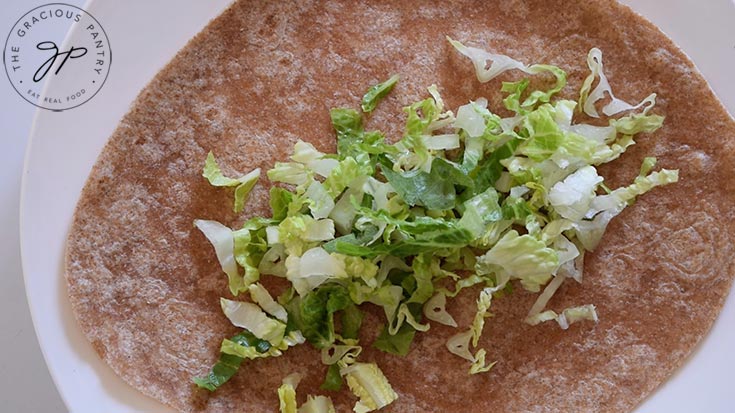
313,314
228,364
332,380
399,343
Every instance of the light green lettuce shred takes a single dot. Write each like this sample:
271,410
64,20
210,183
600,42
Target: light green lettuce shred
252,318
369,384
317,404
521,257
287,394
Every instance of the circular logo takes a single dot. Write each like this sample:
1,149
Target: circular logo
57,56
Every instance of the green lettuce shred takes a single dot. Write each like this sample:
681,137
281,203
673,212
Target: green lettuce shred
376,93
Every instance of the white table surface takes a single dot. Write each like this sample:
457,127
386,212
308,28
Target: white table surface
25,384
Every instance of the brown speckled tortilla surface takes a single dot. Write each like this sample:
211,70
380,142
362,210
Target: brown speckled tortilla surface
145,284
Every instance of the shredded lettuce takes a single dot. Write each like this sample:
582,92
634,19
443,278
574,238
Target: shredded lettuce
588,99
262,297
243,185
370,385
434,310
223,242
567,317
287,393
252,318
521,257
475,199
376,93
230,362
317,404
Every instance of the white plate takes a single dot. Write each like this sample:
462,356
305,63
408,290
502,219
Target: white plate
144,36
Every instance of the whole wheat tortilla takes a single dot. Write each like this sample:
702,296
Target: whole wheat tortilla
145,284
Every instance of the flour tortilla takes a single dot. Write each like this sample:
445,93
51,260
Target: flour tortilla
145,284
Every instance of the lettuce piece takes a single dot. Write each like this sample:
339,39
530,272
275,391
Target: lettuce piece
287,393
640,185
483,307
250,246
344,174
567,317
479,365
224,245
459,345
470,119
424,117
274,262
404,314
353,141
250,317
441,142
305,153
243,185
544,298
376,93
221,372
242,191
351,322
515,89
259,349
423,234
312,269
214,175
343,214
604,208
228,364
335,353
313,314
289,173
501,63
369,384
571,198
332,380
398,343
317,404
279,201
435,310
480,211
490,169
588,99
300,232
423,274
433,190
637,123
262,297
321,203
388,297
520,257
313,160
